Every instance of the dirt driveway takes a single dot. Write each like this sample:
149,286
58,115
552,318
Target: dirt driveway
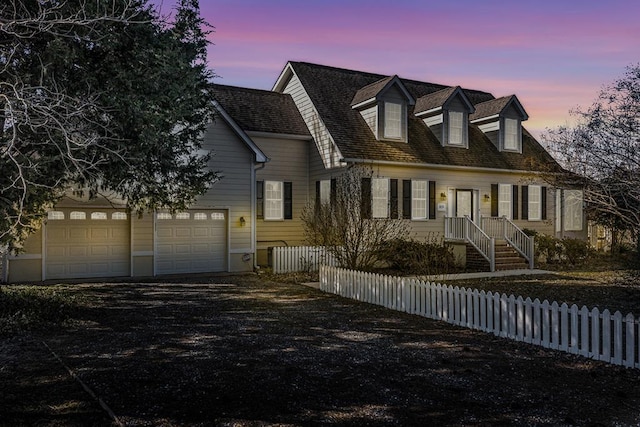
242,350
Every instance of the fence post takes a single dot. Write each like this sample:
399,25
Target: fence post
584,331
595,334
573,346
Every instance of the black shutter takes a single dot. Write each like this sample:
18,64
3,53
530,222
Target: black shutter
514,202
432,200
317,203
288,200
393,198
494,200
365,202
334,191
406,198
543,202
525,202
260,199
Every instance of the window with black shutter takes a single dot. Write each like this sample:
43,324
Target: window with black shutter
260,199
288,200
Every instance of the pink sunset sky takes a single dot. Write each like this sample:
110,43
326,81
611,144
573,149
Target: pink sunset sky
555,55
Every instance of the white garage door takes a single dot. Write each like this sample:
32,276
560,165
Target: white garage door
85,243
191,242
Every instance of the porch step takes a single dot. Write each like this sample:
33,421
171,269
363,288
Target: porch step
507,258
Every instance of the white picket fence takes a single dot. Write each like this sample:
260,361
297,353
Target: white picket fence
611,338
291,259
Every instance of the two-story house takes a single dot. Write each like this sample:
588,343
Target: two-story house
448,160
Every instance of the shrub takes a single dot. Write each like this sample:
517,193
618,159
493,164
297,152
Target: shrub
549,247
576,251
431,257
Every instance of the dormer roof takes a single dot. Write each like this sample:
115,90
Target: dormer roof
496,107
372,92
436,101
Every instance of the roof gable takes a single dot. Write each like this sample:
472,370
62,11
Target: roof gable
436,101
497,107
374,91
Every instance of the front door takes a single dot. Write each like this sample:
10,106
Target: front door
464,203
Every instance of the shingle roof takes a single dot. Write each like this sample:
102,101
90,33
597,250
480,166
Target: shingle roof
370,91
493,107
261,110
433,100
332,90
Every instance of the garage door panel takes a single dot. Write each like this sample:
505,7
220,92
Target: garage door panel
87,248
191,245
78,251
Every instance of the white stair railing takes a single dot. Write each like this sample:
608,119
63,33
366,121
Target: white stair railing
464,229
504,228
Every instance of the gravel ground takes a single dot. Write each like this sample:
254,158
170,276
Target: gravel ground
248,350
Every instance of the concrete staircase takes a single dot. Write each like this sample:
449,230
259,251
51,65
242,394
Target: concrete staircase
507,258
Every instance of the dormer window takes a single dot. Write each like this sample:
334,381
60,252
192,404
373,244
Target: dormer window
446,113
501,121
392,120
383,106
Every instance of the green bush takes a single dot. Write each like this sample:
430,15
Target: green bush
575,251
431,257
549,247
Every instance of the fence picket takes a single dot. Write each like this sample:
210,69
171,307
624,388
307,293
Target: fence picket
595,334
629,361
590,333
584,331
573,346
617,338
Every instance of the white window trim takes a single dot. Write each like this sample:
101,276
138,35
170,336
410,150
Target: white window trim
534,207
380,201
390,122
419,202
504,201
273,205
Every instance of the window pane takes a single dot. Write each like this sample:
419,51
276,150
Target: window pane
119,215
78,215
511,134
163,215
325,191
504,200
217,216
273,200
455,128
573,210
535,203
183,215
419,190
55,215
392,120
380,194
98,215
199,216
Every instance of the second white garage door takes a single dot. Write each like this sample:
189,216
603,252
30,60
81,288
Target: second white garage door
191,242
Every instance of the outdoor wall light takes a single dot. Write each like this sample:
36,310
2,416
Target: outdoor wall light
243,222
443,195
486,197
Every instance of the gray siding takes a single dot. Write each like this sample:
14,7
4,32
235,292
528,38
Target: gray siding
370,115
233,191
